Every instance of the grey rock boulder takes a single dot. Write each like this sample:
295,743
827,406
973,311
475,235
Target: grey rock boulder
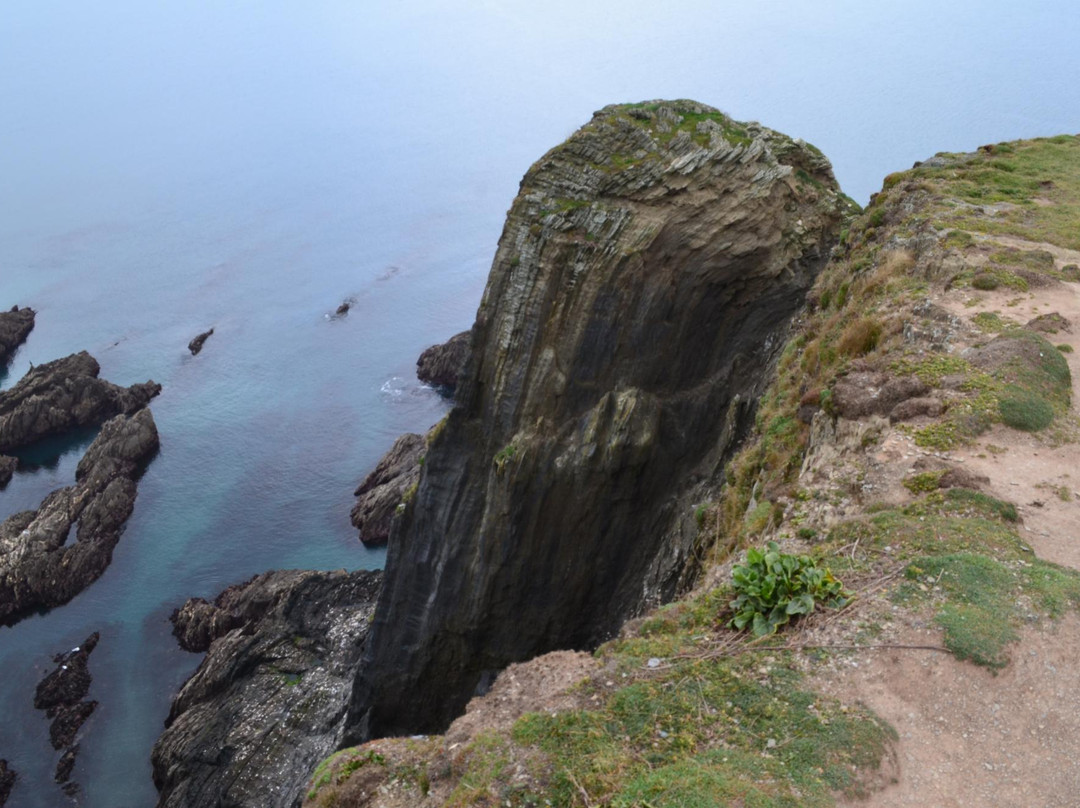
63,395
49,555
269,700
382,494
441,365
15,327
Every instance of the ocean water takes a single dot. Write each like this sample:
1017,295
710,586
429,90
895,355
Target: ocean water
165,168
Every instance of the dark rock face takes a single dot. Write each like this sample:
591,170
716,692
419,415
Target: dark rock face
15,327
8,465
62,395
382,494
196,344
269,700
644,279
441,365
40,567
7,782
60,695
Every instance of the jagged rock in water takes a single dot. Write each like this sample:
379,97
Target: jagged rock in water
644,280
269,700
441,365
49,555
8,465
7,782
382,494
63,395
15,327
196,344
60,694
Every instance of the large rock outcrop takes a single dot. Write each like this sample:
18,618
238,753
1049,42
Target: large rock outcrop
270,698
7,781
441,365
49,555
382,494
645,277
62,395
15,327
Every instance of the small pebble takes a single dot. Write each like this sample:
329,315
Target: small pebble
653,663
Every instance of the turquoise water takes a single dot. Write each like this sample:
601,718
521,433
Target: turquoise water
170,167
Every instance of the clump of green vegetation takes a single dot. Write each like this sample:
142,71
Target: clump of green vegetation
504,456
772,587
992,322
958,239
704,733
1024,410
923,482
861,337
1065,347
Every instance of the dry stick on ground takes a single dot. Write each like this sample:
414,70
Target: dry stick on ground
584,793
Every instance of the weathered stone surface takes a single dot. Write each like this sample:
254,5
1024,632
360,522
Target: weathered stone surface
8,465
915,408
864,393
441,365
7,782
196,344
269,700
383,491
643,282
15,327
41,564
62,395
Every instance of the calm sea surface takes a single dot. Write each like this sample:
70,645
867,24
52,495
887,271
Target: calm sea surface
168,167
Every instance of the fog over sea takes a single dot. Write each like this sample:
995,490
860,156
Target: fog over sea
168,167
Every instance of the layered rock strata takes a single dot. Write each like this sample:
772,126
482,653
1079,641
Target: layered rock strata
645,276
61,694
62,395
49,555
383,493
441,365
270,698
15,327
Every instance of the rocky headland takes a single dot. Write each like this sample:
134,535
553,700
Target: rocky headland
15,327
62,395
8,466
49,555
269,700
441,365
917,440
642,286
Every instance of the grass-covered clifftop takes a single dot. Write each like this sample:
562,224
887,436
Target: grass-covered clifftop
917,441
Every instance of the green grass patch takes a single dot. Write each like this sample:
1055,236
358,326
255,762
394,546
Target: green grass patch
709,732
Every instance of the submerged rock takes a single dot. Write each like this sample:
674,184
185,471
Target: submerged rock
644,280
60,694
15,327
269,700
7,782
383,493
441,365
196,344
49,555
63,395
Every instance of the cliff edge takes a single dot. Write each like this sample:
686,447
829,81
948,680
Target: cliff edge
645,276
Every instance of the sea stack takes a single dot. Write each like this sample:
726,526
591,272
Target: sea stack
645,278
